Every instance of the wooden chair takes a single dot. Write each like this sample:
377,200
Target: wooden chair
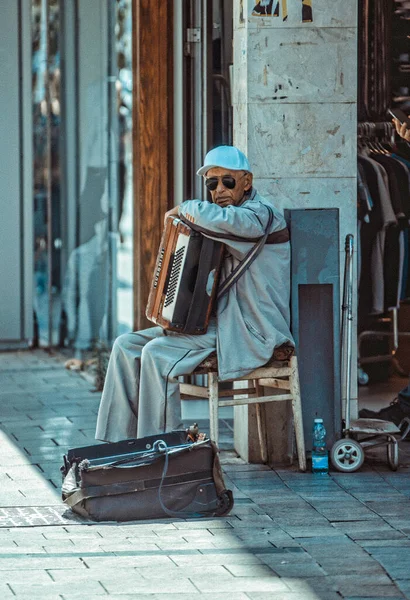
281,375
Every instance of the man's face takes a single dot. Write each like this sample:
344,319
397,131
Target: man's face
224,195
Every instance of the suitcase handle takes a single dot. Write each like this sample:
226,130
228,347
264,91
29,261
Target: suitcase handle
143,458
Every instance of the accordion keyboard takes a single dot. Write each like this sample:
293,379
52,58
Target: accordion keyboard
175,276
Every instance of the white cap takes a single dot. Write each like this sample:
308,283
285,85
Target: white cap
226,157
318,421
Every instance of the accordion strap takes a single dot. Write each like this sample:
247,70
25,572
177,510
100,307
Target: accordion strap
276,237
246,262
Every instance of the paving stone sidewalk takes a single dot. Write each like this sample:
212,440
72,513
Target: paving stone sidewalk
290,536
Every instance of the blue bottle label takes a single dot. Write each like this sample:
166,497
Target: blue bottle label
320,463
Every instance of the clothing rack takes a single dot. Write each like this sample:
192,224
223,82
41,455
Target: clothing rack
386,130
395,334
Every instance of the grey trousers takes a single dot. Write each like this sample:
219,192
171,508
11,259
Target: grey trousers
141,391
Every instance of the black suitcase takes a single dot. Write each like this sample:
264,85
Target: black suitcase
166,475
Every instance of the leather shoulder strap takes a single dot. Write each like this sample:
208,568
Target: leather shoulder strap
246,262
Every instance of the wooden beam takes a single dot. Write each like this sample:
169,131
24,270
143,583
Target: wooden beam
152,139
256,400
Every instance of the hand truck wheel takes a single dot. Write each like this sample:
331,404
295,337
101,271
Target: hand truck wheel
393,455
347,455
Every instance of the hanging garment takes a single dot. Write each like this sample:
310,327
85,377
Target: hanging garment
374,52
394,241
398,182
372,239
405,284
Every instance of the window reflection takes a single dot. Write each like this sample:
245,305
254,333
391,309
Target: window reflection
83,273
46,135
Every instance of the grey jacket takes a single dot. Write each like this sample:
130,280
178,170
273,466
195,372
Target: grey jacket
253,317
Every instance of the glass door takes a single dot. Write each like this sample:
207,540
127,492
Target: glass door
207,38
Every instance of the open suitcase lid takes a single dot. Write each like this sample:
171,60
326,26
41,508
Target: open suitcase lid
117,450
140,458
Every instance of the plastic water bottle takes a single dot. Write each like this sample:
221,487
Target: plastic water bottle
320,459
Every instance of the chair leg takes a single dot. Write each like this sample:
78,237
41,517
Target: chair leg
213,406
297,412
261,424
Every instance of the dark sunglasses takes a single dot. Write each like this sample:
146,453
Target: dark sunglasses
228,182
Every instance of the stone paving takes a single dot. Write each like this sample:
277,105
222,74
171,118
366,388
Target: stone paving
290,536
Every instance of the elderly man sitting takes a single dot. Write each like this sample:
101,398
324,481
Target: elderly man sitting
141,392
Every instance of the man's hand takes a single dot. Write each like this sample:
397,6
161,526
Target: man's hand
171,213
402,130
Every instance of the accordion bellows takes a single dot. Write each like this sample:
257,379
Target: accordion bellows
185,281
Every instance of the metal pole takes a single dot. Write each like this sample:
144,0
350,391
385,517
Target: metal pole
206,74
112,145
343,333
45,13
223,71
348,358
395,330
178,103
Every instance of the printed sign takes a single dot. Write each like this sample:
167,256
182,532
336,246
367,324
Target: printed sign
279,8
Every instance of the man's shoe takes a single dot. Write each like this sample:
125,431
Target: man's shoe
393,413
366,413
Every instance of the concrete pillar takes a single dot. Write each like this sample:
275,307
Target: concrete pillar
295,85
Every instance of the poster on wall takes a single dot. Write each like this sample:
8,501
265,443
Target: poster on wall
279,8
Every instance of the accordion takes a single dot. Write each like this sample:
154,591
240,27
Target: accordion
185,281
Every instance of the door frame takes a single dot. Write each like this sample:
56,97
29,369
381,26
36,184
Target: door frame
152,139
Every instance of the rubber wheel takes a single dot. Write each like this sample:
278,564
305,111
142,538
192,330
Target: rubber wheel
347,455
393,455
225,503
